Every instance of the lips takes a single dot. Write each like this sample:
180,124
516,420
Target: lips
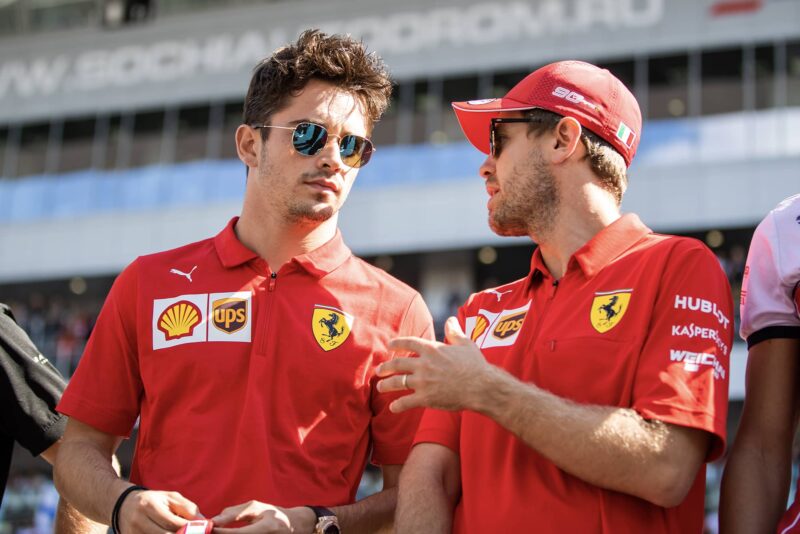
326,184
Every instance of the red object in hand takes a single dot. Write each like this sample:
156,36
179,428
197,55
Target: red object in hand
197,527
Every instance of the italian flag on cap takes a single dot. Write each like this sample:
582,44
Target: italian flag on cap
625,134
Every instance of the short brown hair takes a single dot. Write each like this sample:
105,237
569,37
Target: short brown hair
338,59
606,163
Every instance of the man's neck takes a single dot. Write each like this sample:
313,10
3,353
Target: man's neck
579,219
277,242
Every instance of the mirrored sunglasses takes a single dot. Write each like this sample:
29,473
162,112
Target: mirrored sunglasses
309,138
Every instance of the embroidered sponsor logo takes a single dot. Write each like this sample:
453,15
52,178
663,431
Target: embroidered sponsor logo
508,325
693,361
703,306
608,309
481,324
179,320
229,314
693,331
185,318
572,96
331,326
504,326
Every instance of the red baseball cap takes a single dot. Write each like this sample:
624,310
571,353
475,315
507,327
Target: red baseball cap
591,95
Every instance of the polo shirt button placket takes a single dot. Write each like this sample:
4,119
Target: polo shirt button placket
265,288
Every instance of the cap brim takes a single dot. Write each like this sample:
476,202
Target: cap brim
475,117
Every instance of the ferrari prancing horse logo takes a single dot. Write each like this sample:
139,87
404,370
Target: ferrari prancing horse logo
331,326
608,308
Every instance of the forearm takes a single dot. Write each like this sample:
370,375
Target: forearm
609,447
84,475
371,514
754,491
71,521
423,505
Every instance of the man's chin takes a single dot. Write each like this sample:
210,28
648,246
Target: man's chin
313,214
506,230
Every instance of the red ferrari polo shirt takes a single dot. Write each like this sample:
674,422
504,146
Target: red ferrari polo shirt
640,321
250,384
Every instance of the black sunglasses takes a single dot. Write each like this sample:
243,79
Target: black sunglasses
309,138
494,141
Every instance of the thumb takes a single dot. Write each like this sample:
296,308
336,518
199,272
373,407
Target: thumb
183,507
453,333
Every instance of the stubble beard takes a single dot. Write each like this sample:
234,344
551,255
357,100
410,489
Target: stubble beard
299,211
531,202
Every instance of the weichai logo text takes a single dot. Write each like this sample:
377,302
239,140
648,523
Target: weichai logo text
229,314
179,320
509,325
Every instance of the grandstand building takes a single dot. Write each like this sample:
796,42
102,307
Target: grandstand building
117,121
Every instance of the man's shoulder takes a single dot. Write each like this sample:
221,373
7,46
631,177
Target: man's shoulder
371,275
502,296
179,257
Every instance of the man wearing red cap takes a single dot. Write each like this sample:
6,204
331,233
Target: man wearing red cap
587,396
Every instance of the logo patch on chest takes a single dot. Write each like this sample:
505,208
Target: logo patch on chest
608,308
331,326
496,329
187,319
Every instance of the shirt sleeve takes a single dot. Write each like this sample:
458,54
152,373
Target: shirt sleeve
682,376
30,388
392,433
769,288
442,426
106,389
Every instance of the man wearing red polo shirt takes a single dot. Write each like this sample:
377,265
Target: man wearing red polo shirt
250,357
587,396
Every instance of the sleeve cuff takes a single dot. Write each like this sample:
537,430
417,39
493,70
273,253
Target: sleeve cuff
773,332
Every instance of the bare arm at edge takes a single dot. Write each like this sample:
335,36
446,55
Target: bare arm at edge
755,484
430,486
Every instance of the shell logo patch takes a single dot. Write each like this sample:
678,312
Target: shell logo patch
496,328
229,314
481,324
608,308
179,320
509,325
331,326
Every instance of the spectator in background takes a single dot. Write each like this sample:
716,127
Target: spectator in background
30,388
755,484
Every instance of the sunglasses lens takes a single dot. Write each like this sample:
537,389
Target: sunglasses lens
308,138
355,150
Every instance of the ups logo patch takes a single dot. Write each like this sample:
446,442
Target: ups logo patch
509,325
229,314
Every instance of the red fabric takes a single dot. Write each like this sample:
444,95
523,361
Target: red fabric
262,411
640,363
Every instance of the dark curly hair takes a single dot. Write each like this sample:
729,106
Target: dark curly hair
338,59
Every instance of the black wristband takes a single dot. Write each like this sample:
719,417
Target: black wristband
118,506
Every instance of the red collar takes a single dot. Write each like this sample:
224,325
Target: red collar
318,262
600,250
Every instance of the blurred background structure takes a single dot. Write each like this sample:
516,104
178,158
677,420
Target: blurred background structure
117,121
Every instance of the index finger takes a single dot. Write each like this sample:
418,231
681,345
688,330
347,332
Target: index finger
412,344
183,507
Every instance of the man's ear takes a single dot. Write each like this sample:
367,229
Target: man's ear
248,145
567,139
